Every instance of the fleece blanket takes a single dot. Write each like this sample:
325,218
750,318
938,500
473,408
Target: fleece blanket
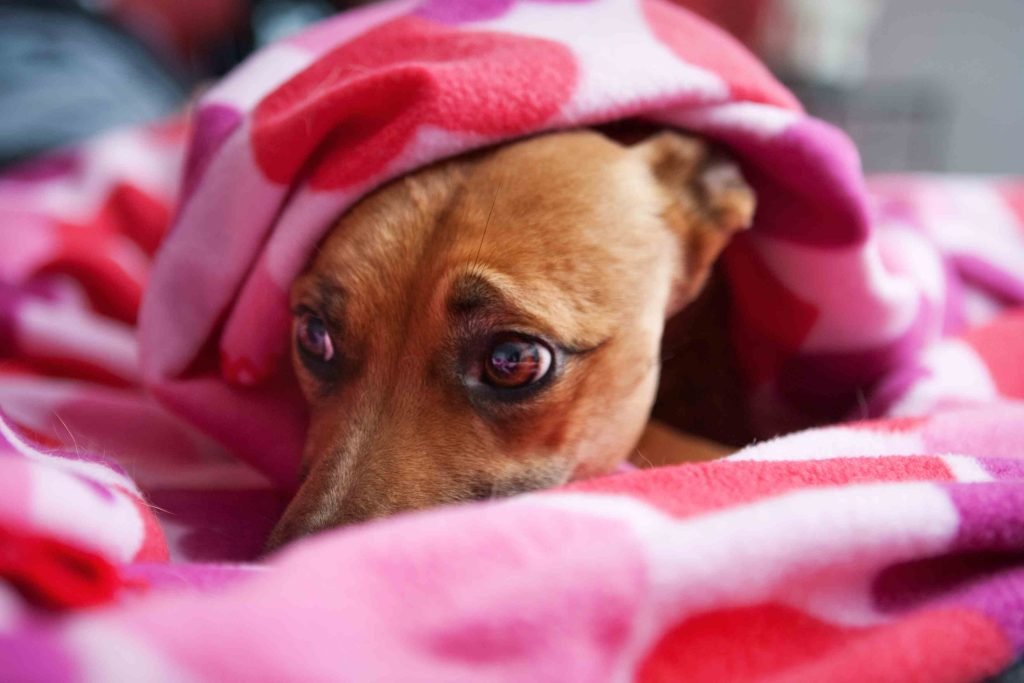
149,429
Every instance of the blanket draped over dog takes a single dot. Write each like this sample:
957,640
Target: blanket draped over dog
150,429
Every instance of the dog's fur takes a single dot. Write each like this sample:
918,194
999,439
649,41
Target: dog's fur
574,238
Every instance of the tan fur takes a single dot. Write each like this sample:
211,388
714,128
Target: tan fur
569,236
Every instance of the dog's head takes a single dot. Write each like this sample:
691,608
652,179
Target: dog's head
491,324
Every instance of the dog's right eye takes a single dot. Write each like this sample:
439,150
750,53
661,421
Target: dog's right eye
515,361
313,339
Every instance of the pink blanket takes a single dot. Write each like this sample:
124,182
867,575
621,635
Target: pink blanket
143,460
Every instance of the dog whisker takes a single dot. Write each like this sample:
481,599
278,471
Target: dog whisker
862,404
78,451
643,457
476,263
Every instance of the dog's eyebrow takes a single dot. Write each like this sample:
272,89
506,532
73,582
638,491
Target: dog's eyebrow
470,293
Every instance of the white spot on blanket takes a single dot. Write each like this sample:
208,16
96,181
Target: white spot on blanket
106,522
632,56
258,76
834,442
966,469
55,332
969,216
106,652
63,466
759,120
120,157
955,372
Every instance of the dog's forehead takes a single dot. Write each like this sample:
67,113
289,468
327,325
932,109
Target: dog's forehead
534,207
388,230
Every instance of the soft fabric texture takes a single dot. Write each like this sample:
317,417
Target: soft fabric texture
145,455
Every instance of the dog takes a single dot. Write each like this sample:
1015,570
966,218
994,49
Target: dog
493,324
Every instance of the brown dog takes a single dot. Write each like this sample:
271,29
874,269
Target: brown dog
491,324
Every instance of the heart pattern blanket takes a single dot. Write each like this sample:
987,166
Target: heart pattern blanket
150,430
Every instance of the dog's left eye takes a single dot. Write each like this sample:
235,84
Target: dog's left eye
514,361
313,338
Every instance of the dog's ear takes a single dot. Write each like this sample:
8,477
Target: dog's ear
708,202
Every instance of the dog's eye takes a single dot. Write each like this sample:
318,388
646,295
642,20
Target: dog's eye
313,338
515,360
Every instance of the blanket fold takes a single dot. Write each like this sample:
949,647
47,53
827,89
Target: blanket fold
302,130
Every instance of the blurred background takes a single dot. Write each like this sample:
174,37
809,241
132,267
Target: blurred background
920,85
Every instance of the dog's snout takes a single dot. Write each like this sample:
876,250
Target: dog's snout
312,512
365,480
385,486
